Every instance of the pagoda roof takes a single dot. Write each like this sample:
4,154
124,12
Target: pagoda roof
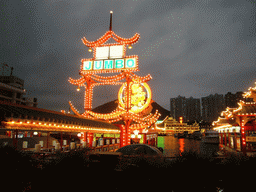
16,111
246,109
221,121
110,34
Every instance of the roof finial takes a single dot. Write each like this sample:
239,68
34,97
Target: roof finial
110,25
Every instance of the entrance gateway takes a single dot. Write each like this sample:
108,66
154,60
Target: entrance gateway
134,97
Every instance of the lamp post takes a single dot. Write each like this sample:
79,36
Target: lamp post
136,137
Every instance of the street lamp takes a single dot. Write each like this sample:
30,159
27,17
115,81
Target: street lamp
135,136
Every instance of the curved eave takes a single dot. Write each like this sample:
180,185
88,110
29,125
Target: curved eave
107,36
246,110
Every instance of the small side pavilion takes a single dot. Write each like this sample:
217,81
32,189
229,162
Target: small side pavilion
237,126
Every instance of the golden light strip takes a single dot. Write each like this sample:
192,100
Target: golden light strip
78,81
60,127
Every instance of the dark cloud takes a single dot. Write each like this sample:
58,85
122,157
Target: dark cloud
191,48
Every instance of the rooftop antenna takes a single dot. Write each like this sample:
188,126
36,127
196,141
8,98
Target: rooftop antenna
110,25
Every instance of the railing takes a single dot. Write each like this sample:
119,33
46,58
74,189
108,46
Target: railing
105,148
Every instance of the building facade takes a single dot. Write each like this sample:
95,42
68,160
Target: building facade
177,107
212,106
193,109
206,109
12,90
188,108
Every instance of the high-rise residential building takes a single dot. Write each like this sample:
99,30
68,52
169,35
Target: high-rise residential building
188,108
208,109
177,107
212,106
193,109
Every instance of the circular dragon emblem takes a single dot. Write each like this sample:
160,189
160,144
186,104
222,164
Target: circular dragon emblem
140,96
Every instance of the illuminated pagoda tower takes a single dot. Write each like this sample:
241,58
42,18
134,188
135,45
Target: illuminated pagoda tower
134,96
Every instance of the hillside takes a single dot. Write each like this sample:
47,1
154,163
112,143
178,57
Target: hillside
112,105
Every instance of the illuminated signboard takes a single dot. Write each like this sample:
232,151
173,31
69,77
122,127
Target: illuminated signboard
102,52
116,51
108,64
109,52
109,59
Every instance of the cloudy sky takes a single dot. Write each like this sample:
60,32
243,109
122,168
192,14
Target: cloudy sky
190,47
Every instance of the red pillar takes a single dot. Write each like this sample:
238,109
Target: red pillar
229,140
90,138
225,139
243,137
26,133
221,138
128,133
85,137
122,136
235,144
31,134
221,141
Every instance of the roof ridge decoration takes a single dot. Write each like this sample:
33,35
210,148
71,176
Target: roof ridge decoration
230,113
251,93
107,36
103,39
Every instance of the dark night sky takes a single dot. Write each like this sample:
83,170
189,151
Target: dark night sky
190,47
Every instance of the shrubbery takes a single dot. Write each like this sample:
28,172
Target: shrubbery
70,171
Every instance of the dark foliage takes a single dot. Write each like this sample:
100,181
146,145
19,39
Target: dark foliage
73,171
